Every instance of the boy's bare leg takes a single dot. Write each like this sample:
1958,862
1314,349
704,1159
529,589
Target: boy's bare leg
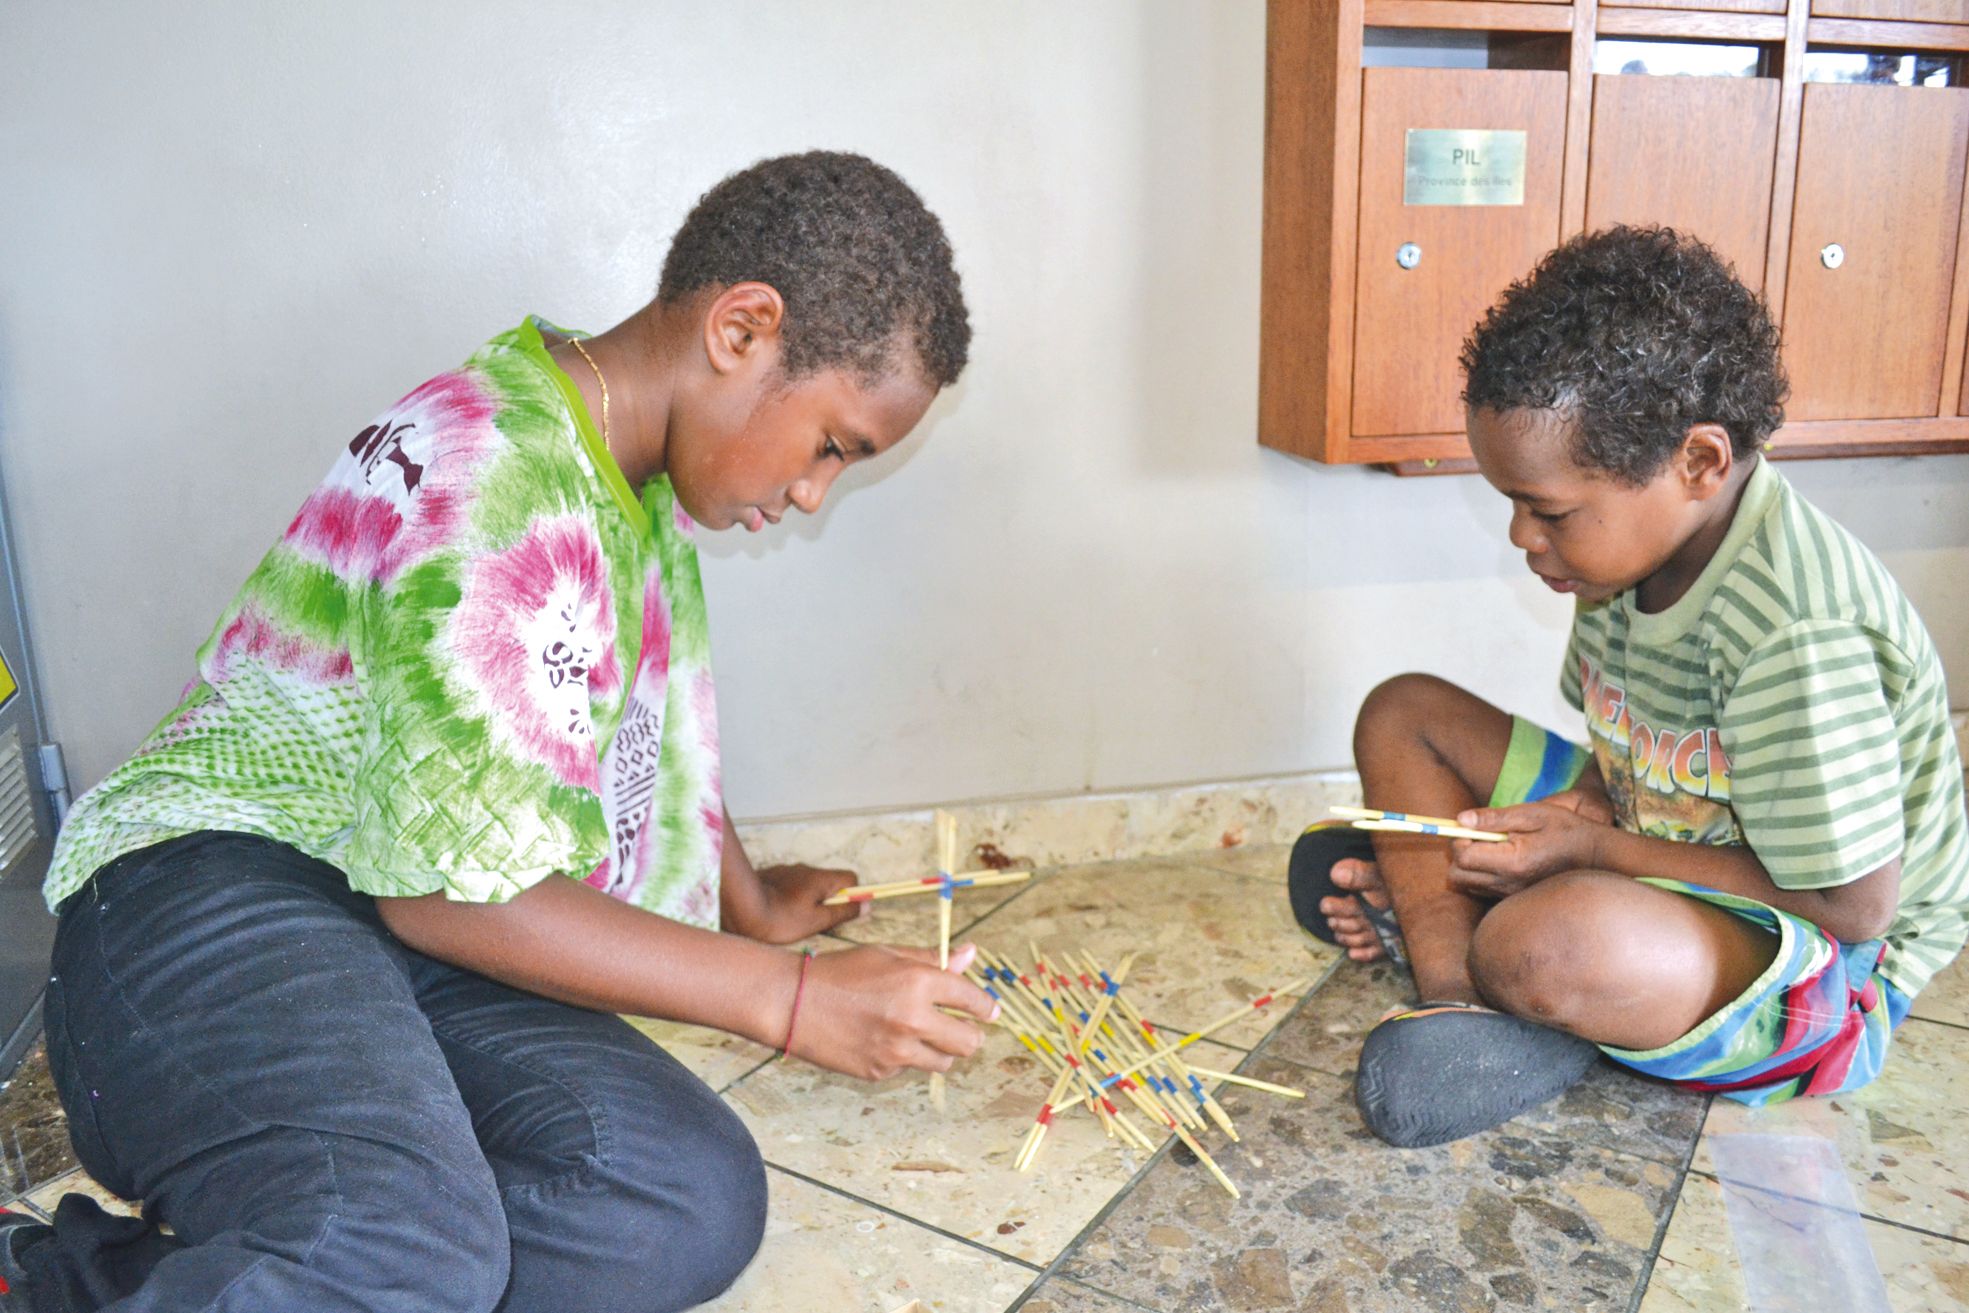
1424,745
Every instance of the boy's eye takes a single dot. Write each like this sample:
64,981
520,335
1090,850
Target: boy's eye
833,449
1550,517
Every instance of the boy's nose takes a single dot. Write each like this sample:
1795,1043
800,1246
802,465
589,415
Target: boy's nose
1524,533
808,493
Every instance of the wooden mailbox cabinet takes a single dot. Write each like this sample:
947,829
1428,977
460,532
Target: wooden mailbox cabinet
1842,202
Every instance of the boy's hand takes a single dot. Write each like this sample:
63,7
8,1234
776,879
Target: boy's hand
1548,838
1590,804
872,1011
788,906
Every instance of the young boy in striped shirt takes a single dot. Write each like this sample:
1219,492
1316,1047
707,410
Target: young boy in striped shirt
1760,857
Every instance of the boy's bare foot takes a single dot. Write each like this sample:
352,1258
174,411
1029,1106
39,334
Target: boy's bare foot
1343,913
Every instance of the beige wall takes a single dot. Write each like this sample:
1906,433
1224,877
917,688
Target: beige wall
231,232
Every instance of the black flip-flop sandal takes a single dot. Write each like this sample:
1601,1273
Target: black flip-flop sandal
1309,878
1443,1071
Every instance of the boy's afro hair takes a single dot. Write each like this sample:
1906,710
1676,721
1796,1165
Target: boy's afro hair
861,264
1636,335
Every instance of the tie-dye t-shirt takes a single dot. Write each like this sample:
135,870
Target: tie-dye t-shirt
475,659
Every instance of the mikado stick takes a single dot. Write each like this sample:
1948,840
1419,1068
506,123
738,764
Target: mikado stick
1030,1149
946,864
929,884
1181,1070
1232,1078
1015,1020
1370,818
1255,1005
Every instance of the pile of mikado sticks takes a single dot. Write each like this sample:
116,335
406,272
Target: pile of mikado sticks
1071,1015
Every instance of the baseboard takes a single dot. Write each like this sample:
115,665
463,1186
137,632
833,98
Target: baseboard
1059,831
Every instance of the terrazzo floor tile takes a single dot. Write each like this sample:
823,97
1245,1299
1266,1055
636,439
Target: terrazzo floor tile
1616,1109
1902,1138
1265,861
1333,1219
884,1143
714,1056
80,1182
1611,1107
823,1251
1947,996
1700,1270
33,1129
1326,1033
914,920
1207,940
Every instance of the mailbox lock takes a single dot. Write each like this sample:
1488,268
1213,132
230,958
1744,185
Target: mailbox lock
1833,255
1408,255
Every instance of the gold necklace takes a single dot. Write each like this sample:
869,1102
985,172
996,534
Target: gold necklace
575,342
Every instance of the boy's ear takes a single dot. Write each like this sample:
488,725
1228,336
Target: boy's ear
1706,460
741,323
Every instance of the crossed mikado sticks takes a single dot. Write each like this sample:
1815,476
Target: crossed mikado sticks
944,882
1068,1021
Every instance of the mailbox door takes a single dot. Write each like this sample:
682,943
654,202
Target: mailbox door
1866,298
1656,156
1412,313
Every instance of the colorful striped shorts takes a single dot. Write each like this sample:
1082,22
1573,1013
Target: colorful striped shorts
1818,1021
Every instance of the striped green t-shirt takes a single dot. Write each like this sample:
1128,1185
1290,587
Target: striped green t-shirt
1791,700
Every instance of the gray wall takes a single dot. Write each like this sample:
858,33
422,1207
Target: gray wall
232,232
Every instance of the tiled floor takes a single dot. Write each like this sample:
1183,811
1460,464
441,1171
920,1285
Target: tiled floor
1620,1196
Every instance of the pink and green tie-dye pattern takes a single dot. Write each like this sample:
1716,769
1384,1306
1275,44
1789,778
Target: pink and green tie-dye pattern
475,659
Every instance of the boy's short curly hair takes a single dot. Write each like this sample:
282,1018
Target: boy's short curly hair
861,263
1636,335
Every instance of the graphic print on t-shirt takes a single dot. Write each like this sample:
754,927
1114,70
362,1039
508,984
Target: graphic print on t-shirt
634,758
1668,781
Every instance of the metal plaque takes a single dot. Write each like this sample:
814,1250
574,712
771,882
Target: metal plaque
1463,166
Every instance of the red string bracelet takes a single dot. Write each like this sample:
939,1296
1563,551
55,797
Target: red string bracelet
799,991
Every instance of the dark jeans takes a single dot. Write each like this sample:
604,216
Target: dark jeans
330,1121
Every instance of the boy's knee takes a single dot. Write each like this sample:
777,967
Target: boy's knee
1552,953
1402,706
450,1254
692,1207
726,1219
480,1258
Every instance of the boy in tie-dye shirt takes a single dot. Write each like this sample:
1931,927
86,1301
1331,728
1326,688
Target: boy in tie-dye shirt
340,946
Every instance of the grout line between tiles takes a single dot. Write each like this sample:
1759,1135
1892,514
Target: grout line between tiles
1114,1201
917,1222
1265,1041
23,1204
749,1072
1870,1217
1686,1170
1128,1187
1937,1021
1039,1285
